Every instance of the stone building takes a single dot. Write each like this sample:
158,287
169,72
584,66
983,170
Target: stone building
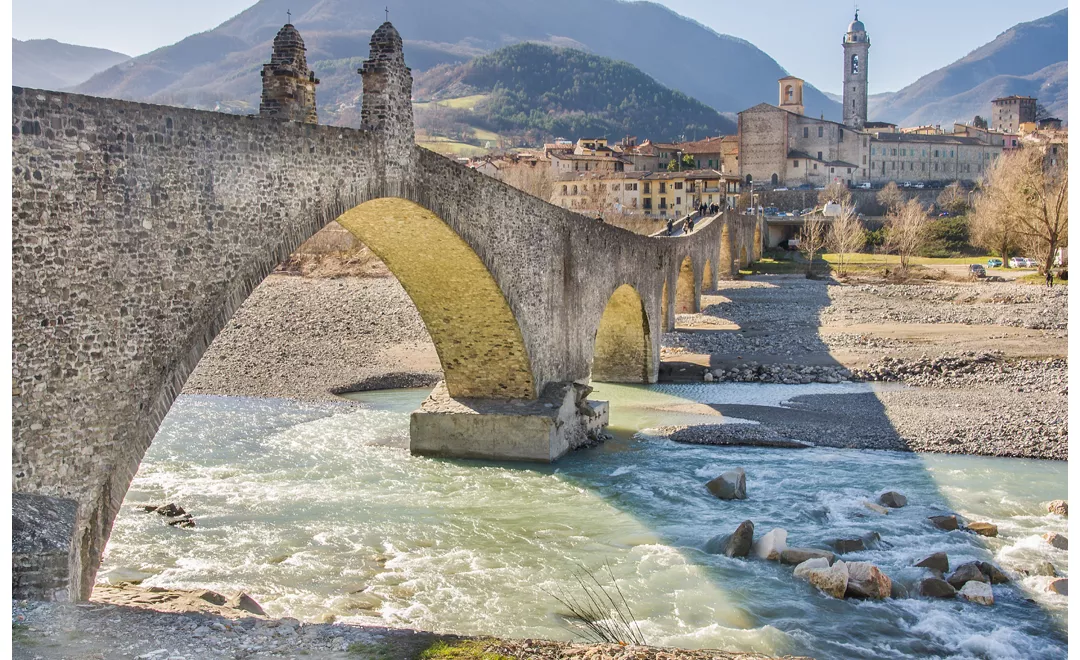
652,194
918,158
707,153
856,53
288,84
1008,112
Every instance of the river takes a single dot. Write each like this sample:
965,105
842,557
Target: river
318,510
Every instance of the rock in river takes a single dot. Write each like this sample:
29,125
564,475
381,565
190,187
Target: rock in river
982,528
978,592
939,562
796,556
965,573
993,573
803,569
771,545
892,499
1059,586
948,523
736,544
867,581
1060,507
934,587
730,485
832,580
1059,541
843,546
242,601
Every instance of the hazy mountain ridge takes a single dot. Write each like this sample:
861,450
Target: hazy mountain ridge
52,64
1029,59
211,69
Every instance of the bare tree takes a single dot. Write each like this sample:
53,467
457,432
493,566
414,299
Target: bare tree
534,179
891,198
991,227
907,230
953,199
812,239
835,192
846,236
1027,192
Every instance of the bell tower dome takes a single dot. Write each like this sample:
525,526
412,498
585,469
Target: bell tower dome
856,65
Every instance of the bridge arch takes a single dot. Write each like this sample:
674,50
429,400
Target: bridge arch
474,331
623,345
707,283
685,294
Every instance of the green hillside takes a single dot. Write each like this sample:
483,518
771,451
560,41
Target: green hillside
544,92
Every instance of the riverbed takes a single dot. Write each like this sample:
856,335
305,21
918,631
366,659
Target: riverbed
317,509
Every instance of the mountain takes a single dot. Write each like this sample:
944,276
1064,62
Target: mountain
219,68
551,92
50,64
1029,59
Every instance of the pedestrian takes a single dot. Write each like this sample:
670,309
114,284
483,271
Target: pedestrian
1049,279
669,227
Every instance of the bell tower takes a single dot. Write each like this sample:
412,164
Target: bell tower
856,53
791,95
288,91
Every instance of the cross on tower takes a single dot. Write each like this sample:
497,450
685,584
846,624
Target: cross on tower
387,10
289,14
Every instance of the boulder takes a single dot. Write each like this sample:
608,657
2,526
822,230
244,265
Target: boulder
948,523
993,573
982,528
871,539
1060,507
867,581
183,521
843,546
877,508
1059,586
1059,541
892,499
242,601
803,569
796,556
730,485
935,587
978,592
171,510
1044,568
736,544
965,573
832,580
212,597
898,590
939,562
771,545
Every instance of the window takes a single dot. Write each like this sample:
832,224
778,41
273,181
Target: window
894,165
794,163
663,202
935,167
663,187
924,153
678,185
832,170
849,170
575,190
820,131
564,190
841,135
806,131
864,159
854,63
935,153
648,188
952,153
815,166
603,187
903,152
678,200
864,143
894,152
631,186
614,187
819,155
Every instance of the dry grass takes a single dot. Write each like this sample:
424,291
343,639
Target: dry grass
333,252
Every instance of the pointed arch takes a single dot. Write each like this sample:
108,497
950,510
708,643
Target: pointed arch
742,257
684,289
727,253
474,331
623,349
707,283
664,325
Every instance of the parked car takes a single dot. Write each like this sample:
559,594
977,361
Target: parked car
920,185
1031,263
976,271
865,185
1017,262
994,263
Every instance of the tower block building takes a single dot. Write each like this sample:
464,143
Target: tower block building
288,91
856,65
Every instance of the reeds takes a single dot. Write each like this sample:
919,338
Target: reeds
597,616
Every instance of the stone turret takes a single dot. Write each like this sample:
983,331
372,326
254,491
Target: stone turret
288,84
387,105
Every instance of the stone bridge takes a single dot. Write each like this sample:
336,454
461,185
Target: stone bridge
137,231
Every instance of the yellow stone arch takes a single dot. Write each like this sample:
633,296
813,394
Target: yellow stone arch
474,331
706,277
623,343
684,288
663,309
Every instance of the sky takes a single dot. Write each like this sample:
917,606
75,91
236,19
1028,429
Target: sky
908,39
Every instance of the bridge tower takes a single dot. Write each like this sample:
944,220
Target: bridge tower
387,104
288,91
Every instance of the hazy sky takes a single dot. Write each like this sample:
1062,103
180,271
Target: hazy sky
908,39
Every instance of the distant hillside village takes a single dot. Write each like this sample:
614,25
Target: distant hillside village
777,147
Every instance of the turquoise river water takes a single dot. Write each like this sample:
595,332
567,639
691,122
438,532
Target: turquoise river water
317,510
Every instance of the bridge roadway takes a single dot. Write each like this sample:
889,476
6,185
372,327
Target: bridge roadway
137,231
